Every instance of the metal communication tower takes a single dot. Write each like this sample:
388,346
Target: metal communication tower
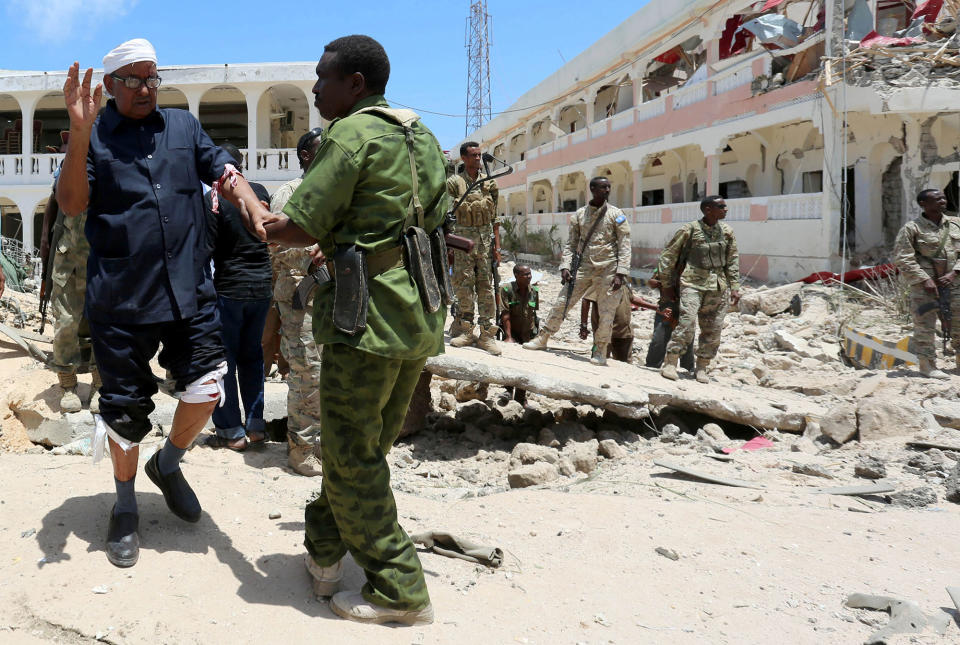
477,42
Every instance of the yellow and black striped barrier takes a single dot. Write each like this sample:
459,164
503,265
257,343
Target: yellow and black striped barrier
870,352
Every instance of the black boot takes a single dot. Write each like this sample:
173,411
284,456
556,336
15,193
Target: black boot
123,542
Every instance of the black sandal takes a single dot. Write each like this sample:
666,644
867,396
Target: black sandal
256,439
216,441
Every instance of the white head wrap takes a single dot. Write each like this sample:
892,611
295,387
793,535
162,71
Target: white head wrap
132,51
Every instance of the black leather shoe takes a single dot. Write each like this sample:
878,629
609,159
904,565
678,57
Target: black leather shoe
180,498
123,542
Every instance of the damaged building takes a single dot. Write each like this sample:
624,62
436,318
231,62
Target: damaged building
817,121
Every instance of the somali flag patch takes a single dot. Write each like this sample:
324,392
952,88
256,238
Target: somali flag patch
620,219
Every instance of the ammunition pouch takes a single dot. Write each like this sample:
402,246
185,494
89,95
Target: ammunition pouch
708,255
350,289
416,245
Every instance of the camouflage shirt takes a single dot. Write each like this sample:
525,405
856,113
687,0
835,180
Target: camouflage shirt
609,247
920,241
357,190
523,313
287,263
480,206
710,252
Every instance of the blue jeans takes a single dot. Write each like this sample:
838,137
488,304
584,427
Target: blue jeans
243,322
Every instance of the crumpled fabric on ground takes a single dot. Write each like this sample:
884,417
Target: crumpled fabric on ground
453,546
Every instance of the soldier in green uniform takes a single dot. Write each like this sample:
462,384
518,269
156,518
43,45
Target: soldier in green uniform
712,273
927,252
520,301
71,332
360,192
473,272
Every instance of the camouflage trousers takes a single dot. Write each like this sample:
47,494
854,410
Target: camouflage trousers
709,309
71,333
925,324
597,283
303,382
364,401
473,277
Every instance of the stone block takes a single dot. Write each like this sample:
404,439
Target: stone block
770,301
611,449
583,455
532,475
530,453
884,418
840,422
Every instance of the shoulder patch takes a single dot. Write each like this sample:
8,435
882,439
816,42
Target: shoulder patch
620,219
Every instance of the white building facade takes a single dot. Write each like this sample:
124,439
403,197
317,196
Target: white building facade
263,109
670,106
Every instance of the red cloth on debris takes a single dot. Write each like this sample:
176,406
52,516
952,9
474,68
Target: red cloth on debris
754,444
732,42
929,9
873,39
866,273
770,4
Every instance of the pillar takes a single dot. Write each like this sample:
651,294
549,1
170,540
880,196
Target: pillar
253,99
869,221
638,184
713,172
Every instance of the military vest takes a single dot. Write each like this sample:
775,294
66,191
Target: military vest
708,249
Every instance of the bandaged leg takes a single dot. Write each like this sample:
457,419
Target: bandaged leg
196,405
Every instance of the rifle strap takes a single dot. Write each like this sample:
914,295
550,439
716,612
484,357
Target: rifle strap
593,229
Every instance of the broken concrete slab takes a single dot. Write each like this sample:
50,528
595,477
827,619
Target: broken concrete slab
914,498
532,475
583,455
905,616
770,301
946,412
883,418
857,491
870,467
61,431
624,389
707,477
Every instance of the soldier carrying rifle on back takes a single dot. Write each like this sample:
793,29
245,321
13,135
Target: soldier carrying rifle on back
927,253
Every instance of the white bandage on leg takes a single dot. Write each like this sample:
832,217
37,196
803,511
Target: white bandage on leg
202,392
98,439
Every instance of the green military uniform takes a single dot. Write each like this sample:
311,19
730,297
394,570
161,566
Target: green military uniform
522,311
712,270
296,332
473,272
607,254
71,333
920,244
358,190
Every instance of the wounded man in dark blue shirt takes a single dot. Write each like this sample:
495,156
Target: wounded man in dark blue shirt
137,171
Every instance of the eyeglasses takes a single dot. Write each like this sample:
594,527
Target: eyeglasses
134,83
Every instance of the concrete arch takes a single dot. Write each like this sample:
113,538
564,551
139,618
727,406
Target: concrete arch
223,115
621,182
10,114
542,191
573,117
517,203
518,146
50,119
543,131
172,97
283,116
571,191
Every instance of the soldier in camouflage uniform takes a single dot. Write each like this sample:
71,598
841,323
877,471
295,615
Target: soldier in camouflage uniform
712,272
604,266
473,272
927,252
359,191
296,333
71,332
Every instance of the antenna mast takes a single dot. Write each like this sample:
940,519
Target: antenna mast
477,43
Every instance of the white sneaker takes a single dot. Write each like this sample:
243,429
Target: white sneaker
326,580
353,606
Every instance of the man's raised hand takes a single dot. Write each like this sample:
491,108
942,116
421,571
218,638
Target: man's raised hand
254,221
82,106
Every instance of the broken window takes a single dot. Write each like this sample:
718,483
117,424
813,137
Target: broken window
674,68
652,197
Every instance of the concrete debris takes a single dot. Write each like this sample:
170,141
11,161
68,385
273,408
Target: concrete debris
870,467
715,432
946,412
611,449
914,498
905,616
532,475
883,418
707,477
952,485
670,554
813,470
772,301
528,453
858,491
470,390
583,455
840,423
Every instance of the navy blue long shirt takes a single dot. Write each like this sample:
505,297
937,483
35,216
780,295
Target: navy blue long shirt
145,220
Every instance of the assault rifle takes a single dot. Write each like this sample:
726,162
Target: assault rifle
942,303
494,262
46,284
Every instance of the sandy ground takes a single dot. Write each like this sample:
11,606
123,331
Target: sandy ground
754,567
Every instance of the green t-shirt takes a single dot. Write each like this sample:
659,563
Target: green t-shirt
357,191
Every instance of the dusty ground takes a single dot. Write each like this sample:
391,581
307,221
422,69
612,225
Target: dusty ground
754,566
